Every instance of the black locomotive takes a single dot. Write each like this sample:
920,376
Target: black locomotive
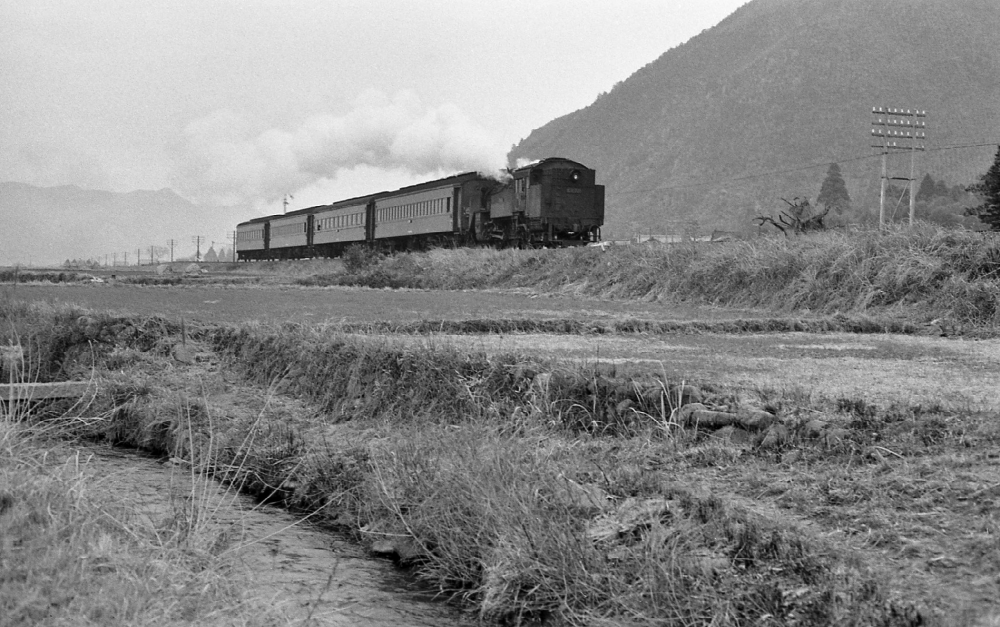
553,202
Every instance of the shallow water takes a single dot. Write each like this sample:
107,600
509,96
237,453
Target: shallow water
312,573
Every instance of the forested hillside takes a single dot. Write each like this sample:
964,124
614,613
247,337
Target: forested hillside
755,109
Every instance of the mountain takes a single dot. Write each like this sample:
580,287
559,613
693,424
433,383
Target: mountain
720,128
48,225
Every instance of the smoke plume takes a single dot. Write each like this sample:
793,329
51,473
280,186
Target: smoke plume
222,161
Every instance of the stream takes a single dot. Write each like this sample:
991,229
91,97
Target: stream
318,577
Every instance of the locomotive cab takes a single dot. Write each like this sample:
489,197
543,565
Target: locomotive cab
552,202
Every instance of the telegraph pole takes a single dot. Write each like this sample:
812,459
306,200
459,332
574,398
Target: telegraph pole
171,242
232,234
197,239
910,136
284,202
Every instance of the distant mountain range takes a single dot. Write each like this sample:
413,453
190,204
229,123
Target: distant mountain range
719,129
48,225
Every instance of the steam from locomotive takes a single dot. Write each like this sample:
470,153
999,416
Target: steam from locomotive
552,202
225,160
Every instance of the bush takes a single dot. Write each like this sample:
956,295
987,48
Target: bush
358,258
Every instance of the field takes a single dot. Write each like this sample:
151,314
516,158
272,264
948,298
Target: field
572,454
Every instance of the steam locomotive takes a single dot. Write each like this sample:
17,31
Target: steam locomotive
552,202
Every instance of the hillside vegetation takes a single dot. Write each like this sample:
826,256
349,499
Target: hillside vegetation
778,85
919,274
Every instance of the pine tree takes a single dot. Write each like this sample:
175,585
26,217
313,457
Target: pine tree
833,193
988,188
927,190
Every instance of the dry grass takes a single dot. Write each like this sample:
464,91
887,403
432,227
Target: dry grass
497,476
920,273
73,553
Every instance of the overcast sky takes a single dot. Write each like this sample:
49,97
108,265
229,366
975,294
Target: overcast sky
241,102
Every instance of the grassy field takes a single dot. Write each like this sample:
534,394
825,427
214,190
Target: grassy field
73,554
583,464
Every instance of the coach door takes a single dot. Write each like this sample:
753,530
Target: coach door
370,221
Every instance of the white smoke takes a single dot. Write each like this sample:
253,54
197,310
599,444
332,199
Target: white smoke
222,161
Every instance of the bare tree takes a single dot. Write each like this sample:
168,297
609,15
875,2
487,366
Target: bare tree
798,218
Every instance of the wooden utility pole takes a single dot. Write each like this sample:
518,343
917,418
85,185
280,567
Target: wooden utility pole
197,239
899,129
171,242
232,235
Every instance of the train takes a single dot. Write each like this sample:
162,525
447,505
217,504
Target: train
551,202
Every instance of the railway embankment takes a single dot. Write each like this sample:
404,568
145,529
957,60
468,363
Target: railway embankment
922,275
527,488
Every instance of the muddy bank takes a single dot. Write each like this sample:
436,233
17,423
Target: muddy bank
314,576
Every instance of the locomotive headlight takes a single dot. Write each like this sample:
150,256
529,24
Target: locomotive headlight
575,176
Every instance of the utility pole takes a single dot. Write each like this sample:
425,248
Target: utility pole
232,234
171,242
910,136
284,202
126,258
152,257
138,256
197,239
